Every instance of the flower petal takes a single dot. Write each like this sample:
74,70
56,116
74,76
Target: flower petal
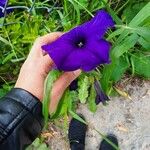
80,59
100,95
103,20
100,48
68,55
58,50
98,25
2,2
74,85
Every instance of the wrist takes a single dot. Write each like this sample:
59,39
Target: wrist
32,84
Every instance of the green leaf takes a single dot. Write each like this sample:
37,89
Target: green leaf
4,41
63,105
73,100
76,116
121,66
83,89
83,3
65,23
95,5
8,58
82,6
141,16
42,146
2,92
133,8
141,64
36,142
144,32
107,140
114,16
125,45
52,76
116,52
106,75
76,7
38,145
145,44
91,99
115,33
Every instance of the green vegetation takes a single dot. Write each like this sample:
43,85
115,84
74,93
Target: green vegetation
130,43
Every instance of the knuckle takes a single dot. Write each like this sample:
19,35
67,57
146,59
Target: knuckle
56,35
70,76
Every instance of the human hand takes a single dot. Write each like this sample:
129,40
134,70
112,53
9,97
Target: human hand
35,69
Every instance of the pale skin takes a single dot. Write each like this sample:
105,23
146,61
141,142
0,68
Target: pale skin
37,66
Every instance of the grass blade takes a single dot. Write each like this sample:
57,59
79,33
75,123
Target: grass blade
107,140
124,46
77,117
141,16
52,76
84,8
4,41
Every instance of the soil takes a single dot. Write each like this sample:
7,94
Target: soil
128,119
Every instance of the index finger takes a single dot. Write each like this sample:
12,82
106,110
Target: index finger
46,39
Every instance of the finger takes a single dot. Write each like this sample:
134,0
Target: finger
60,86
46,39
48,62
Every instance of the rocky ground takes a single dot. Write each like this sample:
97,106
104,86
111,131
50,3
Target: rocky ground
128,119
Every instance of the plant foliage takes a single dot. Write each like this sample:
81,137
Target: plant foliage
29,19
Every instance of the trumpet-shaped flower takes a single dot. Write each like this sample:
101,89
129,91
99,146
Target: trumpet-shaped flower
2,3
100,95
84,46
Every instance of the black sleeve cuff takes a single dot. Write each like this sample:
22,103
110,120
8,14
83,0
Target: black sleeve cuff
28,101
21,119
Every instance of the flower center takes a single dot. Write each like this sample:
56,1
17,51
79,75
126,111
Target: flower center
80,43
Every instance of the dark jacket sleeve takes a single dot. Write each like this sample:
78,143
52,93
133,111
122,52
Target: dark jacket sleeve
21,119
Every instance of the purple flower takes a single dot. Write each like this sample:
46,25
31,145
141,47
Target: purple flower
2,4
74,85
100,95
83,47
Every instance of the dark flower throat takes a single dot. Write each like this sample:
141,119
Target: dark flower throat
80,43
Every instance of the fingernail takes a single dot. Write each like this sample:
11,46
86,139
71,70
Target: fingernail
77,72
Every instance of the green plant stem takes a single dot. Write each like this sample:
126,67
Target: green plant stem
122,6
13,49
